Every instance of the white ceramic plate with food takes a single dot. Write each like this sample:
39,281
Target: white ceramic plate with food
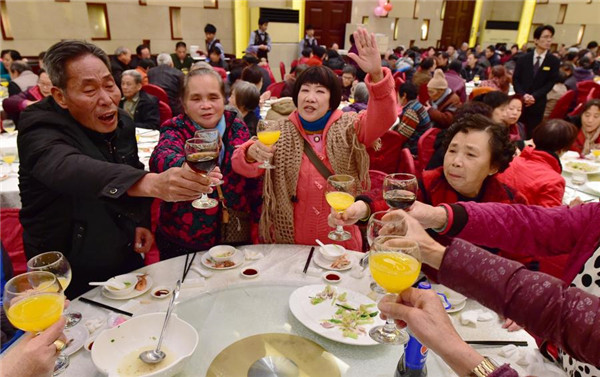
133,294
237,259
582,166
76,337
326,264
312,316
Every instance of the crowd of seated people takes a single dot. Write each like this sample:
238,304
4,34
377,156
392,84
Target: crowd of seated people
490,149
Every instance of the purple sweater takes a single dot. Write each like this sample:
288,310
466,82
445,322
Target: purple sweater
544,305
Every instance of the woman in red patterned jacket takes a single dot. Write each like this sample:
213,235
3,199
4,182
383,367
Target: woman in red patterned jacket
181,228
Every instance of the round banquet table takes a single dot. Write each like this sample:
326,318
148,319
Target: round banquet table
226,307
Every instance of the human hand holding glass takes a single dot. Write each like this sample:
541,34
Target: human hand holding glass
56,263
212,135
339,194
33,301
202,155
268,133
395,263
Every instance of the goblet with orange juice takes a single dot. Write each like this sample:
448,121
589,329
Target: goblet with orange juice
34,301
395,263
268,133
56,263
340,195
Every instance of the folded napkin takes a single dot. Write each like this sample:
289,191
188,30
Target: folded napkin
94,324
471,317
253,255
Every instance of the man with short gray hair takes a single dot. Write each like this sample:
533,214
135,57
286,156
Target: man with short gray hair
168,78
22,77
121,62
83,188
139,105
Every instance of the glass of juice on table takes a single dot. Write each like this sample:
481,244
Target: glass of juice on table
400,190
56,263
34,301
202,156
268,133
395,263
340,193
595,149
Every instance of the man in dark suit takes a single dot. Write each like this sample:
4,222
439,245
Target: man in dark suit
139,105
168,78
535,74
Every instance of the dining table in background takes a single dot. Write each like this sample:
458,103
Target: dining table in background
227,307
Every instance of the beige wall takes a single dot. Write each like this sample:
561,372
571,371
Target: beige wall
578,12
38,24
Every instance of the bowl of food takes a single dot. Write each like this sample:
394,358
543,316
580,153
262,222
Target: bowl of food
127,281
115,352
331,252
222,253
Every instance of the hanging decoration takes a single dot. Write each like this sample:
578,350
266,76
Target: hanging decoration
382,8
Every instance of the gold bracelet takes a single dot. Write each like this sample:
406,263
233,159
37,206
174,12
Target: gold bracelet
484,369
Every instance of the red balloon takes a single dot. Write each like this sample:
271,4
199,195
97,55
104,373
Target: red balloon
387,7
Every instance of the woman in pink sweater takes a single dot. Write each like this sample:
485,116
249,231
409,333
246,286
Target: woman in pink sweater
294,207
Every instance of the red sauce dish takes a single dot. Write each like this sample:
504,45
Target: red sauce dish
250,272
332,277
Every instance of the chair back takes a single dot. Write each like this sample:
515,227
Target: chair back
594,94
562,105
165,111
576,111
377,178
282,70
407,162
387,157
584,88
222,72
400,75
423,94
11,233
156,91
276,88
425,146
338,72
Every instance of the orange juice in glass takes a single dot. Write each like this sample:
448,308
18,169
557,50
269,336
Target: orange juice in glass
268,133
340,195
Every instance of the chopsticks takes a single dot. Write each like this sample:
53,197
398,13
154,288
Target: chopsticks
186,266
101,305
310,255
518,343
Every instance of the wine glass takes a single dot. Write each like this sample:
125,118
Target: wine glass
202,155
34,301
340,195
400,190
595,149
56,263
376,227
8,157
395,263
476,80
9,126
211,134
268,133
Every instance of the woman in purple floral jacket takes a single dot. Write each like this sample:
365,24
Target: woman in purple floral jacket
181,228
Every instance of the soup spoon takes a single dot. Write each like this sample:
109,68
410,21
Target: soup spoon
156,355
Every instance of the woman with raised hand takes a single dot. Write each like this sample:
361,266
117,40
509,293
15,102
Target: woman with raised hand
294,208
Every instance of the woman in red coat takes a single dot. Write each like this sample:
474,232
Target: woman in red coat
536,172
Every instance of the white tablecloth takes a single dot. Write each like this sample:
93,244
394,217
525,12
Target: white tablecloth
214,310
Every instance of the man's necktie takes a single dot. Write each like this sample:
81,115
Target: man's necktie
536,66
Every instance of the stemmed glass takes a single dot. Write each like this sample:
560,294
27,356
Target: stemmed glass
395,263
56,263
8,157
400,190
211,135
8,126
376,227
268,133
202,155
33,301
340,195
595,149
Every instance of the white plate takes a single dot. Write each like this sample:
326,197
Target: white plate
311,315
133,294
326,264
457,308
594,186
238,258
79,334
595,165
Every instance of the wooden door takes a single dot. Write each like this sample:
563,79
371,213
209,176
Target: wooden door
329,18
458,18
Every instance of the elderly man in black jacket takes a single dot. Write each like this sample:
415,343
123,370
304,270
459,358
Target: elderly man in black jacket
535,74
83,189
139,105
168,78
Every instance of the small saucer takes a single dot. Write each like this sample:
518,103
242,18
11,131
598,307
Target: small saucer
332,277
250,272
160,292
